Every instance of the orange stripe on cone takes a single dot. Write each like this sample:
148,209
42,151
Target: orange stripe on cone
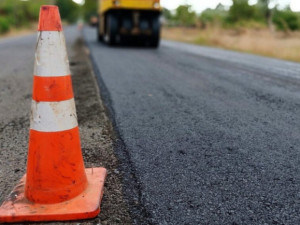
57,158
56,186
49,19
52,89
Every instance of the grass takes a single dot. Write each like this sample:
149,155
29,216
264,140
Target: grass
257,41
20,31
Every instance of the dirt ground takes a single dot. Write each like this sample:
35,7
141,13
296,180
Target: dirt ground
13,32
257,41
96,140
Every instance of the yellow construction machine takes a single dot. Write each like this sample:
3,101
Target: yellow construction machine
137,20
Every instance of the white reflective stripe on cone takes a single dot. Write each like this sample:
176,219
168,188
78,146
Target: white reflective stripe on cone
51,58
53,116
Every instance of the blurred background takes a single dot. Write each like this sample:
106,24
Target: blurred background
265,27
190,134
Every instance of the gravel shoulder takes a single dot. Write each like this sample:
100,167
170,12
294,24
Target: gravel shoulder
97,137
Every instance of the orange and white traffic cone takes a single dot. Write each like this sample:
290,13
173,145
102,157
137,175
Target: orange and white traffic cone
56,186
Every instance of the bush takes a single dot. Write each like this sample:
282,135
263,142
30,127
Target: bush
286,20
185,16
4,24
90,8
213,16
240,10
69,10
16,13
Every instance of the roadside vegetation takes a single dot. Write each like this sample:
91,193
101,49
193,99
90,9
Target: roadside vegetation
263,28
18,15
259,28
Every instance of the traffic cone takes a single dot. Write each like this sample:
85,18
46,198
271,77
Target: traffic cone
56,186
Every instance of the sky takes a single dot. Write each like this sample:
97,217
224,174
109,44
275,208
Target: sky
200,5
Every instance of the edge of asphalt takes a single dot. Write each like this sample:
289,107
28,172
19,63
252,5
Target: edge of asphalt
133,191
15,37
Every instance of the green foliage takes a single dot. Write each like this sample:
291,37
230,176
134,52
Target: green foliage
68,9
286,20
240,10
167,14
184,15
4,24
213,16
90,9
240,15
263,8
16,13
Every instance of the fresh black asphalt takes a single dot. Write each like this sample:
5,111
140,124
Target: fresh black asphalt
204,136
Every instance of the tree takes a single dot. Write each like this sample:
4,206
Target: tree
167,14
89,9
286,19
184,15
213,16
16,13
240,11
263,6
68,9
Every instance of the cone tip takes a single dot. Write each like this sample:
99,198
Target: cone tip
49,18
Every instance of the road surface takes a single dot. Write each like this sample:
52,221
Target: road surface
205,136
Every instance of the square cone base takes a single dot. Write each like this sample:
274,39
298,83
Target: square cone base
86,205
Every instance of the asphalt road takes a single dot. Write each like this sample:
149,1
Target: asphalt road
16,63
204,136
